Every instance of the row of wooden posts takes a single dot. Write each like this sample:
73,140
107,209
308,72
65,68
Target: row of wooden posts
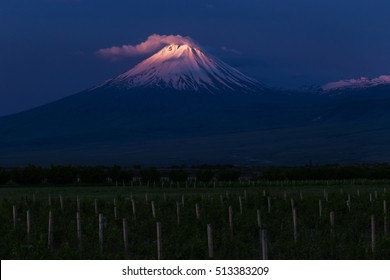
262,232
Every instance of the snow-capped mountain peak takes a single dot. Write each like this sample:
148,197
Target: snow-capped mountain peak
362,82
185,67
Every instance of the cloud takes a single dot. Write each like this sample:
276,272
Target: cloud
225,49
151,45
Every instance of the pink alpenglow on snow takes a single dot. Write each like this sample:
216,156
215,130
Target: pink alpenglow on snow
357,83
183,66
154,43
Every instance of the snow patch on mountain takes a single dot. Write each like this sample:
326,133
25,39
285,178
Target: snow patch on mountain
185,67
362,82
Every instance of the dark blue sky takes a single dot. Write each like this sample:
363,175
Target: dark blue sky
48,47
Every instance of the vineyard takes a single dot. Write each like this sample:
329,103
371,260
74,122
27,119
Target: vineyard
251,220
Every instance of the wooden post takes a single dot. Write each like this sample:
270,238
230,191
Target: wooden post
178,212
61,204
331,215
294,212
78,204
320,207
210,240
133,208
197,211
372,233
385,217
231,221
96,207
14,215
101,225
264,245
153,210
240,202
125,242
78,224
115,216
269,204
50,232
258,218
28,225
159,243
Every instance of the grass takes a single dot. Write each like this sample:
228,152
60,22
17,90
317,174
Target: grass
188,240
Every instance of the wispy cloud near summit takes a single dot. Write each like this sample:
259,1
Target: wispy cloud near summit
152,44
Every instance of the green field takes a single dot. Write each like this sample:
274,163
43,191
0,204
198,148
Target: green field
184,235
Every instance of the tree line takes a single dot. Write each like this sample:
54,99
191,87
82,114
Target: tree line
115,175
67,174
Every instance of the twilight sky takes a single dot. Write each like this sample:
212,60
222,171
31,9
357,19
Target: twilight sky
49,48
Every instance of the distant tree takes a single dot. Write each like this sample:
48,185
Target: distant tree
62,174
178,175
205,175
274,173
150,175
30,174
127,175
117,174
228,174
4,176
93,174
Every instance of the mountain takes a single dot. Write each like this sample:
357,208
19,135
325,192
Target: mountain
183,106
360,83
185,68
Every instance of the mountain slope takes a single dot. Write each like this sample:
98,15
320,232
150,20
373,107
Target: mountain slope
185,68
182,106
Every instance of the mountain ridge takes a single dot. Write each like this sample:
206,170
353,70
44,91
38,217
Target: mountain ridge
184,67
171,114
359,83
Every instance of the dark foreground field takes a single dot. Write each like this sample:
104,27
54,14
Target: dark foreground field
252,220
